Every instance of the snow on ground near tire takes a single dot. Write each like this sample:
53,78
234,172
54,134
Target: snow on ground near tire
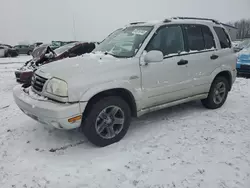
183,146
18,59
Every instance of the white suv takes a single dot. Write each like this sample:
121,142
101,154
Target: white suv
141,68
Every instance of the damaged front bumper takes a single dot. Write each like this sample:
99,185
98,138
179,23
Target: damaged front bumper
58,115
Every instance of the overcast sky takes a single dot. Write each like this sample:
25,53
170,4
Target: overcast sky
46,20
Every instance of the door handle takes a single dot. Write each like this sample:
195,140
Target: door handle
213,57
182,62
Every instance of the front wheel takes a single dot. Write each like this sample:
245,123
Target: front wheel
217,94
107,121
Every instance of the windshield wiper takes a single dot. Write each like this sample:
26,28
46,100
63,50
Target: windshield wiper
108,53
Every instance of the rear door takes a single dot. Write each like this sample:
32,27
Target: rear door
226,54
203,56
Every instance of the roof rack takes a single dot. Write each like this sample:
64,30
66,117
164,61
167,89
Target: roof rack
167,20
195,18
134,23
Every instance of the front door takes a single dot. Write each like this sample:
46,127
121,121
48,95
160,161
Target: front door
166,81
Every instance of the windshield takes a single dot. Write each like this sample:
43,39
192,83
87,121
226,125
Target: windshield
64,48
113,34
124,43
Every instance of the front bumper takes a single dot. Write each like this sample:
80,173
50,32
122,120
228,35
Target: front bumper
47,111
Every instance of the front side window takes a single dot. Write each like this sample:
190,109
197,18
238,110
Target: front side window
223,37
195,37
168,40
124,43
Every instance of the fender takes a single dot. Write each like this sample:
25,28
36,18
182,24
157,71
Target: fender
220,69
121,84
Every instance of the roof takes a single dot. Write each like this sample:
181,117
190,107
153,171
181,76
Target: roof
180,20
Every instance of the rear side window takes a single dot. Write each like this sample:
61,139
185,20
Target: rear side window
223,37
208,37
195,37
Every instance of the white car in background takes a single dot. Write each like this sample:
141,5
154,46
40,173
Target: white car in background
142,68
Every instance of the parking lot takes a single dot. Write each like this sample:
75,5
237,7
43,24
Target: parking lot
183,146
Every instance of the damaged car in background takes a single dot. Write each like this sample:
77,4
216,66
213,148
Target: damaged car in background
7,51
44,54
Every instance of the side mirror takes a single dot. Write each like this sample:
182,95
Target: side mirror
153,57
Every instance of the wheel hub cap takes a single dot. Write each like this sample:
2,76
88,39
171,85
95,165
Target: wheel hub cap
110,122
219,93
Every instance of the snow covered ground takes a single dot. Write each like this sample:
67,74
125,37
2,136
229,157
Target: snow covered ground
19,59
186,146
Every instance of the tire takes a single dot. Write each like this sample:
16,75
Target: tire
210,102
8,54
95,119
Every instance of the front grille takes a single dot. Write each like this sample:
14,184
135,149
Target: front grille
38,82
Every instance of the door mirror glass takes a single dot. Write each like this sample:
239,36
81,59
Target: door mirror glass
153,56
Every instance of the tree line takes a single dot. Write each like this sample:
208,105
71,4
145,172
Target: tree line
243,28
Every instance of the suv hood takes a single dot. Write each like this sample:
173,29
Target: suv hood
90,66
91,70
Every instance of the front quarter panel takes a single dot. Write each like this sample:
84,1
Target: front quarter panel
124,74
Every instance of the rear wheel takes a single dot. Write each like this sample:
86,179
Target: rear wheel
217,94
107,121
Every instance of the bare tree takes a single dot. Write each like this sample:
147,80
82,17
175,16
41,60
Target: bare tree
243,28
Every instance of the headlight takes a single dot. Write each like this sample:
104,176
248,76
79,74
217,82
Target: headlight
57,87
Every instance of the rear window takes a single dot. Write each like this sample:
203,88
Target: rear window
223,37
208,37
195,37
